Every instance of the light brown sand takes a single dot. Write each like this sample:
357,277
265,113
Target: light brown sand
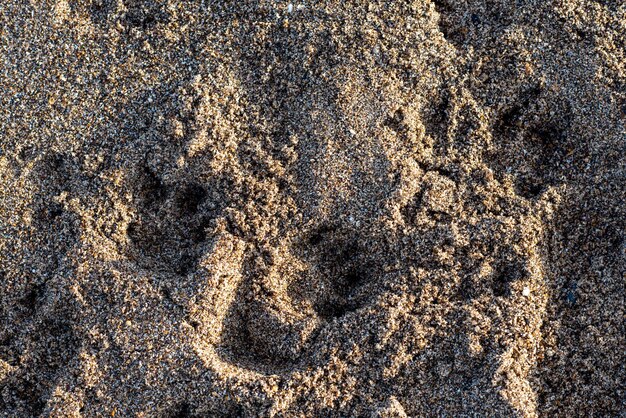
316,209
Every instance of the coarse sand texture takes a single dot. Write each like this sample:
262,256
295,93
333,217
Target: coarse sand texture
312,209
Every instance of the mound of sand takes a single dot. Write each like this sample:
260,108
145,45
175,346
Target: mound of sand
312,209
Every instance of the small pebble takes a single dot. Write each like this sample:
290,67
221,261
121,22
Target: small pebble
526,292
571,297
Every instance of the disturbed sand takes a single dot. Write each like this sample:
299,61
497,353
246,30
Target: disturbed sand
312,209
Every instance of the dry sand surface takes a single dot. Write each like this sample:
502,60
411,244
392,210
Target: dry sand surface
312,209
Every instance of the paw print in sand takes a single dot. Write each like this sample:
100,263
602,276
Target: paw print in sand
169,229
317,281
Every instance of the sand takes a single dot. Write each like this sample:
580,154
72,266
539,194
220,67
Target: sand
312,209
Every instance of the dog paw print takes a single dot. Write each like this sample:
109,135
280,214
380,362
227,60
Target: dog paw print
171,223
531,139
337,275
276,315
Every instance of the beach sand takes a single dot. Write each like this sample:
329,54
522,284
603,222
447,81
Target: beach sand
312,209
